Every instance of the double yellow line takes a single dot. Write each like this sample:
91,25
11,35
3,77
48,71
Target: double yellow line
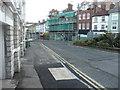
92,82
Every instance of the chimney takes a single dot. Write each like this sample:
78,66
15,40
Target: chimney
70,7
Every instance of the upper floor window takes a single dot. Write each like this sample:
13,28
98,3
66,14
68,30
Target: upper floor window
66,19
84,16
88,15
95,19
99,6
80,17
114,23
103,18
95,27
114,16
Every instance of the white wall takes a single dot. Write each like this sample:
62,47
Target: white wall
2,57
4,18
99,23
42,28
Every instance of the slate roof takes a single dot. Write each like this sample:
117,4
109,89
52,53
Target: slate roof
116,9
101,13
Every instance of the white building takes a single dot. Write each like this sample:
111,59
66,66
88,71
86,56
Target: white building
100,21
43,27
85,5
12,15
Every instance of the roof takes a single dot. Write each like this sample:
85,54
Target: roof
102,13
116,9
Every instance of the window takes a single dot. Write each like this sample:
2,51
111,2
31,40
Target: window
102,27
83,25
99,6
80,17
84,16
114,23
66,19
79,26
87,25
103,18
114,16
95,19
88,15
114,27
95,27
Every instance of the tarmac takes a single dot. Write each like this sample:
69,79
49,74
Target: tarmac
40,70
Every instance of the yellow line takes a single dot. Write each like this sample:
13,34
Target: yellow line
78,71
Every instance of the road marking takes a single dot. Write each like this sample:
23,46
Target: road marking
60,74
80,73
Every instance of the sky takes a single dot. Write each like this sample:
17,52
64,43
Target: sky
37,10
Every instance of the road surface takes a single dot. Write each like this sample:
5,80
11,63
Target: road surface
102,66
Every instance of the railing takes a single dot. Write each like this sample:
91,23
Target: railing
62,27
62,21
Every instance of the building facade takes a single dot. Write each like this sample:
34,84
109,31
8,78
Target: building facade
99,24
42,29
62,26
114,20
84,22
100,21
12,35
31,31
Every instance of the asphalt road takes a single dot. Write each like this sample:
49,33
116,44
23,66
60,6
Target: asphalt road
52,74
102,66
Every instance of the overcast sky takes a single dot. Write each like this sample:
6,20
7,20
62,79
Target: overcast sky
39,9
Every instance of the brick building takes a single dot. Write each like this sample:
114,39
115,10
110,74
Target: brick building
84,22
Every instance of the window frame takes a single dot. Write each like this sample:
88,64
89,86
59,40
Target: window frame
83,25
96,26
84,15
88,25
80,16
102,27
88,15
103,19
80,26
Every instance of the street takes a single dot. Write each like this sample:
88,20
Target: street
100,65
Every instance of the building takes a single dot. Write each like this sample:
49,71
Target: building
31,31
114,20
62,26
99,23
85,5
12,35
84,23
42,29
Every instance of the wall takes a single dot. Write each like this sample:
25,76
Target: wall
2,59
6,15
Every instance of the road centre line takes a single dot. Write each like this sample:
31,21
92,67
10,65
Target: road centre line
81,74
